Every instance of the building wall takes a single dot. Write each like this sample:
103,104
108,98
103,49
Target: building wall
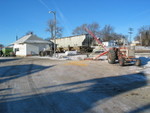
29,49
34,49
20,49
73,41
106,43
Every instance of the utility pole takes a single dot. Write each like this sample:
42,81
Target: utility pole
141,38
130,32
54,32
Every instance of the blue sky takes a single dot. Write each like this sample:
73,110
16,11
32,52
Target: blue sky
20,16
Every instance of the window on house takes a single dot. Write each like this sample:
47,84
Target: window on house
16,49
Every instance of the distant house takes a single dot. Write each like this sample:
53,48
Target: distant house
110,43
135,43
30,45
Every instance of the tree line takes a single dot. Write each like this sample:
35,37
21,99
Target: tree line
106,33
143,35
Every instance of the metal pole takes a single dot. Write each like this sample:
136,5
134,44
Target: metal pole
141,38
55,35
54,31
130,32
130,38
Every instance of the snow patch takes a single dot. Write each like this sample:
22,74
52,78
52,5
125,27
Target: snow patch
62,56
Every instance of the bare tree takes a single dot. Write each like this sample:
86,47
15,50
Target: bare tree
144,35
119,38
137,37
51,28
94,27
107,33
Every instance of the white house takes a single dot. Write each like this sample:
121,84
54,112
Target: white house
30,45
110,43
135,43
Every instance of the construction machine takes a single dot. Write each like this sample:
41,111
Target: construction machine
124,55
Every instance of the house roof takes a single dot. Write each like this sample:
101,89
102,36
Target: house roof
31,39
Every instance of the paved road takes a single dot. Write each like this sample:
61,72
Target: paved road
31,85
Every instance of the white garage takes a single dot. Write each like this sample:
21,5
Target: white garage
30,45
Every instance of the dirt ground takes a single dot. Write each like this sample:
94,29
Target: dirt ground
33,85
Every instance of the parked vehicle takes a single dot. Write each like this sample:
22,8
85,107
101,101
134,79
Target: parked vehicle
7,52
124,55
46,52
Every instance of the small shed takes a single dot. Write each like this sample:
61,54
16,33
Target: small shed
30,45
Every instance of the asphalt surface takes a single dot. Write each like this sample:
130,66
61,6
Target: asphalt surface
32,85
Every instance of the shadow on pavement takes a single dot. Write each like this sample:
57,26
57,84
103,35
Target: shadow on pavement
8,60
5,89
16,71
75,97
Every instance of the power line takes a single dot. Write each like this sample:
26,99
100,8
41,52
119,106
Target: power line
42,2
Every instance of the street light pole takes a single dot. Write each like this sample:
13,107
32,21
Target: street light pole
54,32
141,38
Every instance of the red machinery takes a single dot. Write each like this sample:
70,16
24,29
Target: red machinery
122,54
99,42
